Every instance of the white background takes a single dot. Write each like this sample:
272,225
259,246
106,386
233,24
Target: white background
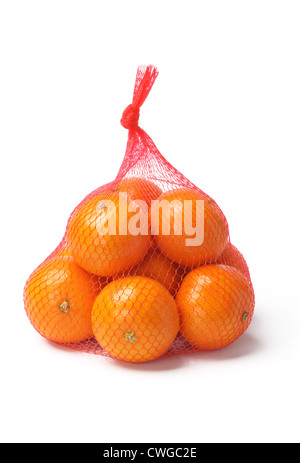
225,110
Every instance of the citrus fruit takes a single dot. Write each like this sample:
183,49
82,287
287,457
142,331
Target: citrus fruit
234,258
58,300
135,319
182,235
138,189
99,236
216,305
158,267
98,281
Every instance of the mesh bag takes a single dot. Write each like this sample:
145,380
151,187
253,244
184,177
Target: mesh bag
146,268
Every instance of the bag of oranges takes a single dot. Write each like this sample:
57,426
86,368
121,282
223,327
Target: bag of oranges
146,268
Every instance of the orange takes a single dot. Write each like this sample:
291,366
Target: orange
58,298
61,250
99,249
216,305
173,243
234,258
98,282
135,319
158,267
139,189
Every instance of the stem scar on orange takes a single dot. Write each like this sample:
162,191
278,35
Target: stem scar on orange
174,244
216,305
58,299
135,319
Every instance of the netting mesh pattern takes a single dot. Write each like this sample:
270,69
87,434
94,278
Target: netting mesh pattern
146,268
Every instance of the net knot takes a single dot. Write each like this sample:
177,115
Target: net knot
130,117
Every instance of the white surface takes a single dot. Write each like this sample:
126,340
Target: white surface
225,111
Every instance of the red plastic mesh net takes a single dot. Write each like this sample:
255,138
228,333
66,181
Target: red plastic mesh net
146,268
